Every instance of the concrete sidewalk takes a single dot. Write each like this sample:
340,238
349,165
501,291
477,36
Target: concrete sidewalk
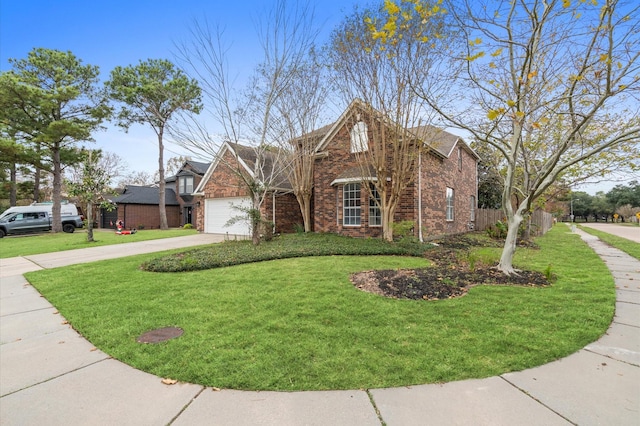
51,375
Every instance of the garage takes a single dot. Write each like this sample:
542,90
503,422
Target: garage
218,211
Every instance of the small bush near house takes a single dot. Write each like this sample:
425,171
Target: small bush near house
403,229
188,226
498,230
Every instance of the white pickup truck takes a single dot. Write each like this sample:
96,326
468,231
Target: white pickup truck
35,220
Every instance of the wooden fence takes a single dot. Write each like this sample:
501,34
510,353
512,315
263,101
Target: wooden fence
541,221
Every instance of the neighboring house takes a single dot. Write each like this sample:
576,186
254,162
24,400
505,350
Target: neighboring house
138,207
184,183
442,199
224,194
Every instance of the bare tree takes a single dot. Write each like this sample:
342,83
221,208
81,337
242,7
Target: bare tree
551,85
298,113
140,178
377,55
286,35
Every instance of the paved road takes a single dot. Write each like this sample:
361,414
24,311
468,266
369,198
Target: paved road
629,232
51,375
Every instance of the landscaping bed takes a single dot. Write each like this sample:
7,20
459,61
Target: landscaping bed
453,273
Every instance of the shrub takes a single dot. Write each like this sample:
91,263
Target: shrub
298,228
498,230
403,229
187,226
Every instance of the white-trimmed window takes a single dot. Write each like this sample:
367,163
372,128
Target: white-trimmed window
185,184
472,206
351,204
375,214
450,203
359,137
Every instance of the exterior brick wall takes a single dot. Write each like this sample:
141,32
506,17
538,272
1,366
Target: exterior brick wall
147,215
287,212
436,175
224,182
188,200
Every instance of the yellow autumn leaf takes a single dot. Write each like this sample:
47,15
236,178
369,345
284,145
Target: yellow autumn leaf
566,3
474,57
391,7
494,113
492,65
511,103
497,53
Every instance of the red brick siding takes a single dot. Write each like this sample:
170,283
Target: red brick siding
287,212
437,174
224,182
194,205
137,215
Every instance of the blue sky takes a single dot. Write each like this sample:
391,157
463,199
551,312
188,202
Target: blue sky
123,32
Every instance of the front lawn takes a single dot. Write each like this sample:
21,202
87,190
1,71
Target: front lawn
300,324
25,245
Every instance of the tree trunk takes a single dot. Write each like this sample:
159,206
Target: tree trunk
387,223
13,191
36,185
162,185
255,218
506,259
305,204
89,212
56,219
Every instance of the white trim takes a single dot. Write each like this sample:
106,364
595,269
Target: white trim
214,164
357,179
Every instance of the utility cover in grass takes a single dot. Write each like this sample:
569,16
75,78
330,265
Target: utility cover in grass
160,335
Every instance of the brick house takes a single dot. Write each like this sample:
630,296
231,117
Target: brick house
223,192
183,184
441,200
139,205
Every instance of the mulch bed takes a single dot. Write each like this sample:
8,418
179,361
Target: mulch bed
447,278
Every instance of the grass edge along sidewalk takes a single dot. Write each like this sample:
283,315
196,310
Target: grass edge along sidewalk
627,246
30,244
299,324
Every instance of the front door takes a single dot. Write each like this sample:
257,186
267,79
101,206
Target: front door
187,215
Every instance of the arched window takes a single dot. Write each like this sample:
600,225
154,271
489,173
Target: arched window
359,138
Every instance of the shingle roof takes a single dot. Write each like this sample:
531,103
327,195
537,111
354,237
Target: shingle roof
133,194
437,139
198,167
248,155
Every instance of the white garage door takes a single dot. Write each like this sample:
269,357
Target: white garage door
218,211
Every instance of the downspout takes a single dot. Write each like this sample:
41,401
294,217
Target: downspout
273,210
420,197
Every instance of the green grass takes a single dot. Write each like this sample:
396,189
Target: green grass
299,324
630,247
25,245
